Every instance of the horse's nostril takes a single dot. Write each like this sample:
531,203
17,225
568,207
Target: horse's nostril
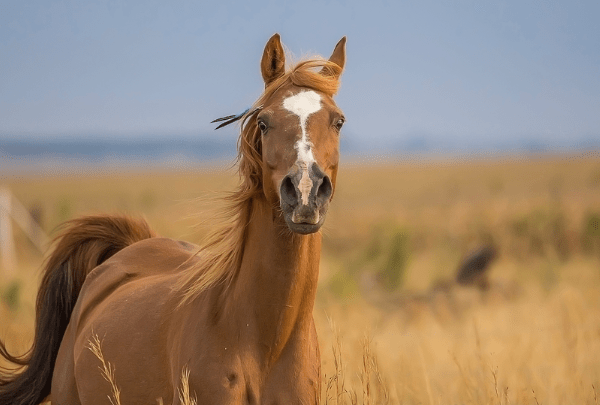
325,190
288,192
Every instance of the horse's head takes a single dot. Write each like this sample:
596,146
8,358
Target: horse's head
299,126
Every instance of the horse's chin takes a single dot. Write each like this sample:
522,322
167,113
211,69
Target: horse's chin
302,227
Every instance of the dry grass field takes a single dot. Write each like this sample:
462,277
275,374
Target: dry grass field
394,328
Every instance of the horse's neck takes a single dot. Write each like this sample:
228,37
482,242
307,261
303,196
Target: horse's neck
273,295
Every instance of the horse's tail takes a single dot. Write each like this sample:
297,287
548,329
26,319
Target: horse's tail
84,244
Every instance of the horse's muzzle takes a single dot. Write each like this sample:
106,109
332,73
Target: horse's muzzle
304,198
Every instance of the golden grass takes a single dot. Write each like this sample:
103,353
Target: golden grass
532,339
185,397
542,347
106,369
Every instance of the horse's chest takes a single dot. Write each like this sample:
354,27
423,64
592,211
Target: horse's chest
240,379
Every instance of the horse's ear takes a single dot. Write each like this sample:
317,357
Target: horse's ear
338,57
272,65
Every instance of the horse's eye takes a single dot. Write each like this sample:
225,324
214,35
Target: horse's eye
339,124
262,126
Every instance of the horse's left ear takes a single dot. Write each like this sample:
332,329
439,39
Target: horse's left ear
272,64
338,56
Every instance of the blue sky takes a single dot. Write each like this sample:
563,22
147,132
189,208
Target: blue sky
471,72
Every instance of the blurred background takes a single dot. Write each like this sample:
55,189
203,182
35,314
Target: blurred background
461,255
103,80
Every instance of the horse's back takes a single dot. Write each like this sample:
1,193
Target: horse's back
146,268
125,304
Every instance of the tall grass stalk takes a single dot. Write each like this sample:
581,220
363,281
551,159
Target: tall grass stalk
106,369
184,391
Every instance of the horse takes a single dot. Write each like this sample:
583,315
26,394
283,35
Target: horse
234,315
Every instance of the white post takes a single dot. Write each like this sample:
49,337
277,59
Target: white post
7,246
23,219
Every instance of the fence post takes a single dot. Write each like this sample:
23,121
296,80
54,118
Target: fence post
7,246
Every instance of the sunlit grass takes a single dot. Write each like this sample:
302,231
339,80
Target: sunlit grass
107,370
532,338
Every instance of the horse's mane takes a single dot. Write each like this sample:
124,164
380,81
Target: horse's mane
221,253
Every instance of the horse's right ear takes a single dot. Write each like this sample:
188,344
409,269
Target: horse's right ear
272,65
339,54
339,58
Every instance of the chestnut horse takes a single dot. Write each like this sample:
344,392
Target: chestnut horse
237,312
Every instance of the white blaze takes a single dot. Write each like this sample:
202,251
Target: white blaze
304,104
